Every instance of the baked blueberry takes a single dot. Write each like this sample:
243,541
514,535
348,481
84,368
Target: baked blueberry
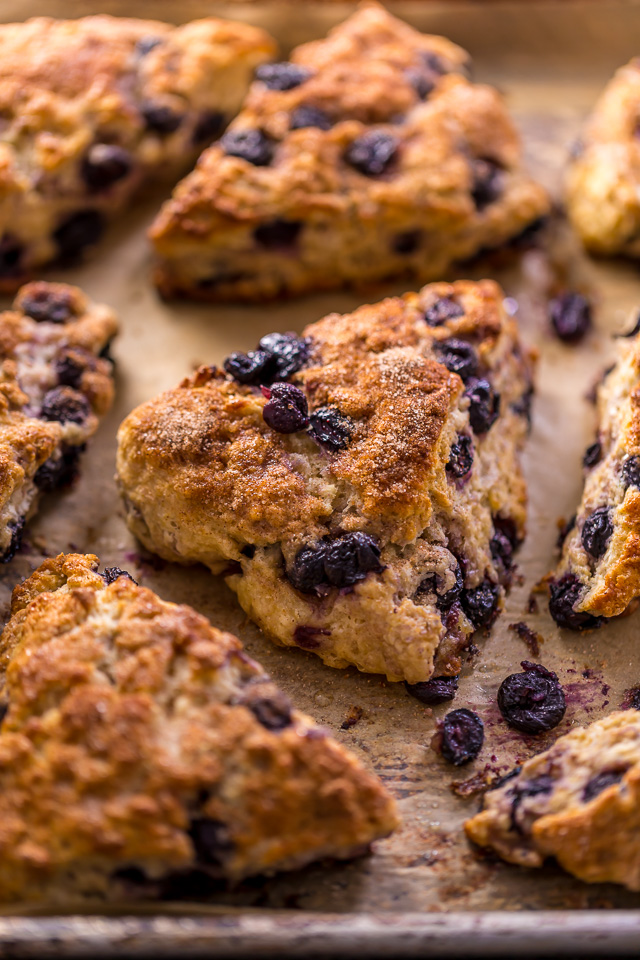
565,593
250,145
484,405
372,153
159,117
522,406
458,356
433,585
278,234
286,410
105,164
592,455
481,603
596,532
340,562
274,712
47,305
57,472
442,310
288,353
208,126
486,184
532,701
330,428
408,242
501,550
146,44
11,253
248,367
16,527
600,782
462,736
539,786
460,457
570,315
111,574
434,691
80,230
65,405
630,471
282,76
69,367
211,841
306,115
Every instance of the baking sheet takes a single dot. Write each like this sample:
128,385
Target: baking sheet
550,59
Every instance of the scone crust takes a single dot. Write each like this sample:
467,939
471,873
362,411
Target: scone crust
129,722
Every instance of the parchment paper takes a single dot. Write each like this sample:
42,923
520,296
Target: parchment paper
550,59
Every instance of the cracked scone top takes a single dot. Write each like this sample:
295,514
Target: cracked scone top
91,107
140,744
599,570
366,503
603,178
579,802
368,156
55,383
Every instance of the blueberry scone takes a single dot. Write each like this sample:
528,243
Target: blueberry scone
603,178
579,802
358,486
599,571
55,383
141,749
368,156
92,107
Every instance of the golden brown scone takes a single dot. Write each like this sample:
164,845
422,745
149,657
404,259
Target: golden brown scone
140,744
367,157
377,532
579,802
603,179
599,570
92,107
55,384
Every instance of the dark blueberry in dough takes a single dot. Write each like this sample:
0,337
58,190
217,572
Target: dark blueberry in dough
570,315
505,778
443,601
565,593
340,562
565,530
600,782
16,527
442,310
592,455
208,126
306,115
278,234
408,242
596,532
330,428
460,457
458,356
57,472
104,165
111,574
48,306
532,701
480,603
274,713
146,44
288,353
462,736
248,367
11,251
65,405
250,145
79,231
434,62
434,691
422,82
211,841
540,786
486,185
70,366
307,571
630,472
159,117
522,406
372,153
501,550
484,405
282,76
286,410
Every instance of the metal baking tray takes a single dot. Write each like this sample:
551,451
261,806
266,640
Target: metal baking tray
423,890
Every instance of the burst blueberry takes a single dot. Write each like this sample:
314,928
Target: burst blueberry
596,532
282,76
104,165
480,603
330,428
462,736
442,310
487,183
160,118
484,405
250,145
630,472
65,406
565,594
460,457
48,305
532,701
592,455
286,410
373,153
307,115
570,315
339,562
458,356
434,691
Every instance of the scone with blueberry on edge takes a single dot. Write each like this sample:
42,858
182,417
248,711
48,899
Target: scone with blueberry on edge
579,802
55,384
359,486
599,571
92,107
143,752
368,156
603,176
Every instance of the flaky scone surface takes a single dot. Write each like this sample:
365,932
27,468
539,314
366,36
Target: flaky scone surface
599,570
55,385
140,743
91,107
206,479
443,181
579,802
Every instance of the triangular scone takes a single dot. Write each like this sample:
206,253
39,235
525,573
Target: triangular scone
579,802
56,381
369,156
599,570
140,744
603,178
91,107
369,510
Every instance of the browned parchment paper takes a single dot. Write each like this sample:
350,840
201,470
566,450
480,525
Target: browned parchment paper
550,59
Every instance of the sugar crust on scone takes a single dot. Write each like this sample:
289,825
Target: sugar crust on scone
579,802
93,106
139,743
310,219
206,479
54,388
